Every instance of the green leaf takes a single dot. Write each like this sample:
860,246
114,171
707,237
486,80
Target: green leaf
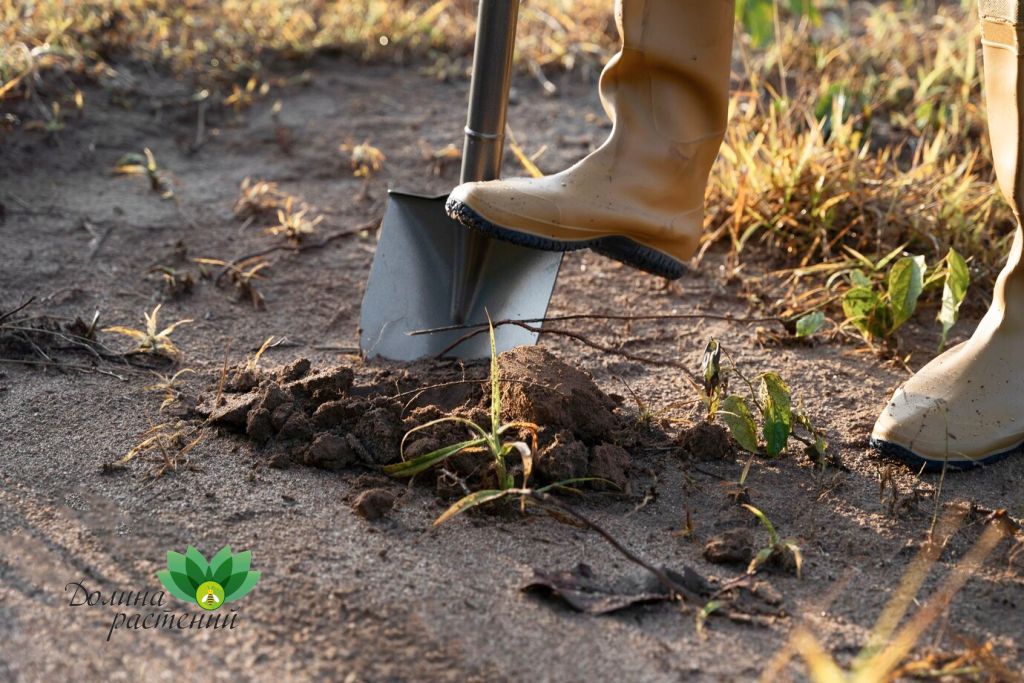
196,566
709,608
762,556
172,586
176,562
865,310
738,419
409,468
220,565
809,324
858,278
711,366
495,383
239,585
820,445
777,402
906,282
471,501
954,290
757,17
773,536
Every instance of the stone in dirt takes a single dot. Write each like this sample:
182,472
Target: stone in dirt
373,504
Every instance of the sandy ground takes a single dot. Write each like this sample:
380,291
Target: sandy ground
343,598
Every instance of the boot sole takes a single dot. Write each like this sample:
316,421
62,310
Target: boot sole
621,249
909,457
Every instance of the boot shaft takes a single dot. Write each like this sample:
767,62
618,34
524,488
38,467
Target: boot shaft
1001,48
673,66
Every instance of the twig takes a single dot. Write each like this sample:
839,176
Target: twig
692,378
663,578
70,366
22,307
599,316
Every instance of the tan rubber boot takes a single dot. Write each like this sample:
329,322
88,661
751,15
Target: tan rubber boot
967,405
639,198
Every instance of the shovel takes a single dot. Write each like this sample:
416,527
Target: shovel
431,272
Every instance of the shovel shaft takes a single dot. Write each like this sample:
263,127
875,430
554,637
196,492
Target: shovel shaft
488,90
485,135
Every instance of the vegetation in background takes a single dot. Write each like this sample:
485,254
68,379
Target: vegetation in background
852,126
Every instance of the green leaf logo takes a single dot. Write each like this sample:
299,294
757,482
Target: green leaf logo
224,579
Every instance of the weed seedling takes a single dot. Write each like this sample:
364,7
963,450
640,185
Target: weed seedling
293,224
150,340
783,551
494,441
145,164
772,402
168,386
364,159
242,275
176,282
258,198
877,308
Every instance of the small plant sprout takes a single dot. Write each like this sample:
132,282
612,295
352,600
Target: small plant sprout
364,159
770,402
257,198
293,224
168,386
150,340
145,164
252,364
242,275
494,441
243,98
176,282
783,551
878,307
172,441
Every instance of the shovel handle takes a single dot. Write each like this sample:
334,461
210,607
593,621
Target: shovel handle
488,90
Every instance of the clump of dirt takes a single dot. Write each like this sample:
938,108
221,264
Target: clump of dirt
373,504
323,418
705,441
539,388
733,546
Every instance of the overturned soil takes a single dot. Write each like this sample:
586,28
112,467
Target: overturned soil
282,456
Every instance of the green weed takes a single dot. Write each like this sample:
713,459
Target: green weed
495,441
766,419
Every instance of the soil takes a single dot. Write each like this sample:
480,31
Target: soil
357,584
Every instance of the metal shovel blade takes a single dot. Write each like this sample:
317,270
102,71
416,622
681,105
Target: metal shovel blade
411,283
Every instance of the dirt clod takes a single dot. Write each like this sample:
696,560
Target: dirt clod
610,462
705,441
330,452
734,546
380,432
540,388
374,504
564,458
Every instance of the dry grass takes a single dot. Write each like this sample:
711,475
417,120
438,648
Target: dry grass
865,129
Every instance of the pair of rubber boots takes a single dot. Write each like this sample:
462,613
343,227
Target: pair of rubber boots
639,199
